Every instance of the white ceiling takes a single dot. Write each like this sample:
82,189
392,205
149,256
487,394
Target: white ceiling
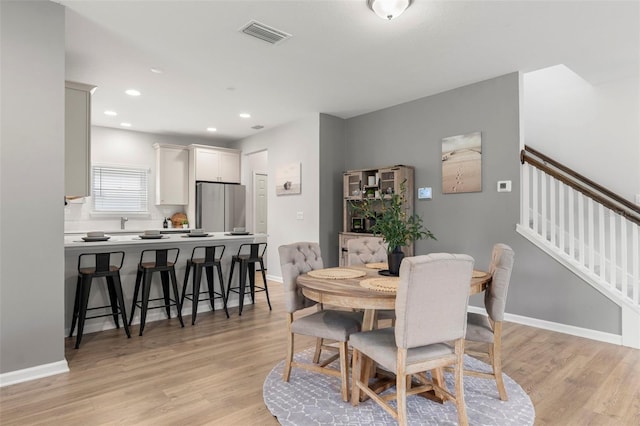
342,59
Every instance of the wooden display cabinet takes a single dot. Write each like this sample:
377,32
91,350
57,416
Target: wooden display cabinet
359,185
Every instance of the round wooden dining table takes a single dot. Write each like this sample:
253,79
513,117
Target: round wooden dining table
349,293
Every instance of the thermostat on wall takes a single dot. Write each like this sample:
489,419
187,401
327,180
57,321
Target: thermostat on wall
424,193
504,186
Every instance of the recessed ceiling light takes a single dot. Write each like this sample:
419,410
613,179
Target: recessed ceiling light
156,70
125,124
111,113
132,92
245,115
211,129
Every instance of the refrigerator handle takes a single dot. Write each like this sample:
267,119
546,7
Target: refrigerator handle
198,206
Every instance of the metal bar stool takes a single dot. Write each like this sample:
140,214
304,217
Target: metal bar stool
100,267
210,260
248,255
146,268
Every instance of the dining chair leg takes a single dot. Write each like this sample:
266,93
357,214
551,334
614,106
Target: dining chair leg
286,373
318,351
495,354
344,371
356,374
401,396
459,387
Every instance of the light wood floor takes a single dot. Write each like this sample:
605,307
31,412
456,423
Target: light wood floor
212,373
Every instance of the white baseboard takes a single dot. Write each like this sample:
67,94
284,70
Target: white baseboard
32,373
557,327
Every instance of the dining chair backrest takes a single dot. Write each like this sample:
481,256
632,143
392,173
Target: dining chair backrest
495,298
432,298
297,259
366,250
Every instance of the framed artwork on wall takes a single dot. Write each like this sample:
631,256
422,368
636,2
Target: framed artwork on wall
288,179
462,163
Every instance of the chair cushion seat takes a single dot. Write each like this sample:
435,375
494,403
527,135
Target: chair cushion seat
478,328
381,346
328,324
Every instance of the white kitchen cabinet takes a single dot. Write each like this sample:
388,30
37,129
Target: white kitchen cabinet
172,174
215,164
77,133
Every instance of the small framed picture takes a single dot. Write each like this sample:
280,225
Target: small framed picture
288,179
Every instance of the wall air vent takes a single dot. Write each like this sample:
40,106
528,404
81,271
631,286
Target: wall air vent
264,32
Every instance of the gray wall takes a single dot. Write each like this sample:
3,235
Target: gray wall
332,164
32,185
471,223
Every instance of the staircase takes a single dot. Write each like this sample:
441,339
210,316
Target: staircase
588,229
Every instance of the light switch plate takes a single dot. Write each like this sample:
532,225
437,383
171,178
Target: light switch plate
504,186
425,193
300,216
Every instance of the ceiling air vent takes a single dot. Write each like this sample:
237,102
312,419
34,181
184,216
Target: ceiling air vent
257,127
264,32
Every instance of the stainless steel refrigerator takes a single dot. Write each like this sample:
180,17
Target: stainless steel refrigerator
220,207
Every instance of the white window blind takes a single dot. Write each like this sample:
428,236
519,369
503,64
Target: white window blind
117,189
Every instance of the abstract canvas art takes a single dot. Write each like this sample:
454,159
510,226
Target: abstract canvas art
462,163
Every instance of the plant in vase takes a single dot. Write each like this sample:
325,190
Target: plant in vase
393,224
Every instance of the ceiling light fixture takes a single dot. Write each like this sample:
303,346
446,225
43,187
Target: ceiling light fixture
125,124
111,113
132,92
245,115
388,9
211,129
156,70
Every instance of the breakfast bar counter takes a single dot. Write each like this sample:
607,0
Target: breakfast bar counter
132,246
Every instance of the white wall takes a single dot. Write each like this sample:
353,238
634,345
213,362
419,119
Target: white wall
31,190
125,148
294,142
592,129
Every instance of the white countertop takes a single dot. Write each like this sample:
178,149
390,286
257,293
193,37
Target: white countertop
76,241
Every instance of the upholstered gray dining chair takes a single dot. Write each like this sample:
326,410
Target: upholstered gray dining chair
297,259
365,250
411,348
488,329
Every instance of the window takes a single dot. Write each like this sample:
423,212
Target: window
119,190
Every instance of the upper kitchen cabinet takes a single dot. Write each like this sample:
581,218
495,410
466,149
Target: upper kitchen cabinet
77,129
172,174
215,164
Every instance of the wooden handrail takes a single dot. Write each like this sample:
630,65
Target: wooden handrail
582,184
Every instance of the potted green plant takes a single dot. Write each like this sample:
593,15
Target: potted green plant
393,224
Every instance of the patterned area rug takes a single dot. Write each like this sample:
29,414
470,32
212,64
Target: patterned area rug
314,399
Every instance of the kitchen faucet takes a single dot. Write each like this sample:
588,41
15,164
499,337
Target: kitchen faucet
123,219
